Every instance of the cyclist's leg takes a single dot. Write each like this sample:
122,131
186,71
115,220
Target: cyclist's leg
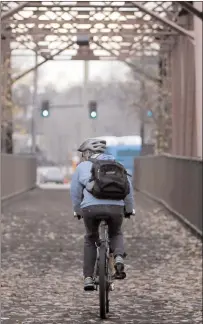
91,236
115,232
116,240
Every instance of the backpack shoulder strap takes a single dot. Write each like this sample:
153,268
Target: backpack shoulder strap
92,160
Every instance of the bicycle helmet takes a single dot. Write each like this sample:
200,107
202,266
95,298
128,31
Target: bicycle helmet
93,145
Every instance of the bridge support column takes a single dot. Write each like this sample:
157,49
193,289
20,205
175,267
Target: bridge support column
198,72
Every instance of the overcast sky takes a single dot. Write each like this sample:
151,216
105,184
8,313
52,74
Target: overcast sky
70,72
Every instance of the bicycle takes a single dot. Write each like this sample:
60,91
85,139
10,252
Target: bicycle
104,271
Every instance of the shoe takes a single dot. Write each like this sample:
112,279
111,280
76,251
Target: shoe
88,284
119,267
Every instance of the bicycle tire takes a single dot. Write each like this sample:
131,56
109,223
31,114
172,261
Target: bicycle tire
102,281
107,300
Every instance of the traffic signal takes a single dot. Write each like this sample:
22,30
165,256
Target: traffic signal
45,108
93,109
149,113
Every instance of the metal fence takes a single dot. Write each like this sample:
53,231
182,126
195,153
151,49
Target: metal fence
18,174
174,181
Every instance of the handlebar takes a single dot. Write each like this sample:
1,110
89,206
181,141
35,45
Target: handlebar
77,216
128,215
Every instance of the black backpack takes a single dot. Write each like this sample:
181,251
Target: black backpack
109,180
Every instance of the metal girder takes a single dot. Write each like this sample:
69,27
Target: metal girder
132,65
165,21
14,10
186,5
82,21
39,64
103,21
125,34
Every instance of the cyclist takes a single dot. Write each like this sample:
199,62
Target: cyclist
91,208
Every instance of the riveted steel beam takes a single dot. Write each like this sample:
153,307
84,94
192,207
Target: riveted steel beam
165,21
186,5
11,12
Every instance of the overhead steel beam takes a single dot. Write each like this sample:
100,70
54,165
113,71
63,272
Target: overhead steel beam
11,12
79,20
130,64
125,34
165,21
186,5
39,64
81,3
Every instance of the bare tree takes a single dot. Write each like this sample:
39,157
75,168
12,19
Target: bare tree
15,101
7,107
155,97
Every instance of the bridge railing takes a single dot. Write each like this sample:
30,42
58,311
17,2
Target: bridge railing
174,181
18,174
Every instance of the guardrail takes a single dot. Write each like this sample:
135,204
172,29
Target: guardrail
18,174
174,181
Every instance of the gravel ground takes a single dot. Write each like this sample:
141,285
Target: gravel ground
42,282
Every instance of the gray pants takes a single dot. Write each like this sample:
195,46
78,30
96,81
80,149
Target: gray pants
92,216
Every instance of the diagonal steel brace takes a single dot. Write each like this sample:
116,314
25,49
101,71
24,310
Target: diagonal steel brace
41,63
11,12
132,65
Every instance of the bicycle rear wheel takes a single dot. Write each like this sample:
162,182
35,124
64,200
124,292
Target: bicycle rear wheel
102,281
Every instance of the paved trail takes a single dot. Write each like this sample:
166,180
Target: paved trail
42,282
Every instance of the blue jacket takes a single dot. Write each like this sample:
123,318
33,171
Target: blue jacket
82,198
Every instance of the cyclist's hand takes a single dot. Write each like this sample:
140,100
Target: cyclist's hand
76,215
132,213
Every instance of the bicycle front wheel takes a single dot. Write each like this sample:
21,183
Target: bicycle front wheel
102,281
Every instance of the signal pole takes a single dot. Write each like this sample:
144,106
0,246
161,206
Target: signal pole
85,86
34,108
93,128
142,113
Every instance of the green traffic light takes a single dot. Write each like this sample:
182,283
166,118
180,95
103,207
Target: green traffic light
149,113
45,113
93,114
